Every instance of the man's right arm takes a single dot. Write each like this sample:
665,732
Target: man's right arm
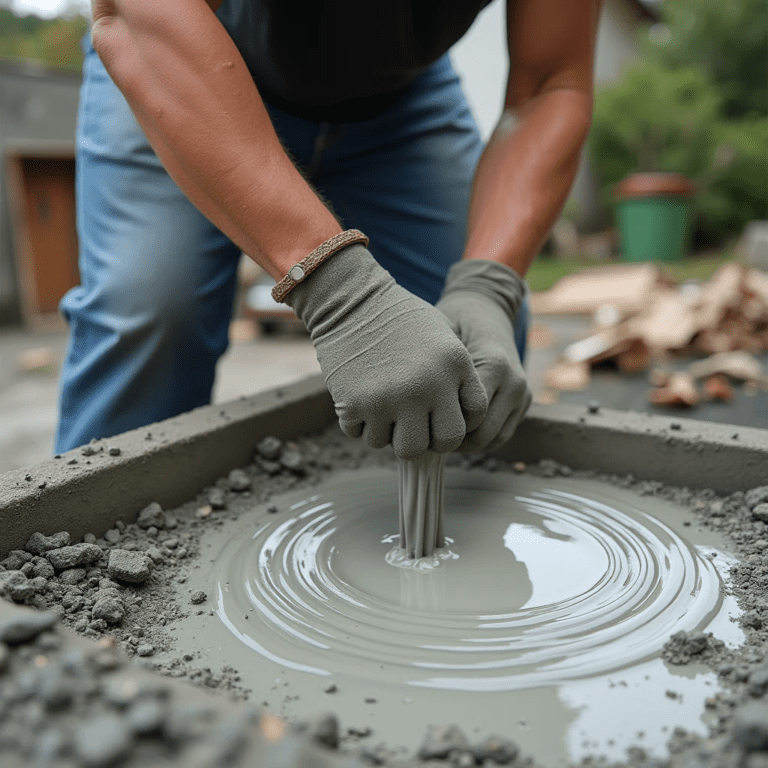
193,96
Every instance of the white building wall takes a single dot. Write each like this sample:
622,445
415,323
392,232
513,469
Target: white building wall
481,60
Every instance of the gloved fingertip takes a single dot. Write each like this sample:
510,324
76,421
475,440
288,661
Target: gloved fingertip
352,428
474,404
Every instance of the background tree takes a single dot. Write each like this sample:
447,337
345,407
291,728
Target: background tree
55,42
696,105
728,40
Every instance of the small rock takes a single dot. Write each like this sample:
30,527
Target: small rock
272,509
593,406
498,749
16,560
76,554
112,536
440,741
72,576
269,448
171,543
5,655
43,569
238,480
39,544
752,619
134,567
109,609
331,688
102,741
361,733
145,649
89,538
293,461
25,625
217,498
49,746
114,451
204,511
38,584
756,496
170,522
197,597
519,467
16,585
151,515
48,641
750,728
270,467
760,512
106,659
154,554
324,729
147,717
53,687
223,746
758,681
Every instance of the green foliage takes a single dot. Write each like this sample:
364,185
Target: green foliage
698,106
729,42
736,191
55,42
656,119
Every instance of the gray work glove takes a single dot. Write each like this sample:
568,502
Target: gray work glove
394,366
481,299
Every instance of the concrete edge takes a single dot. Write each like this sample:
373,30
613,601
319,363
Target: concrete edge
672,450
171,461
168,462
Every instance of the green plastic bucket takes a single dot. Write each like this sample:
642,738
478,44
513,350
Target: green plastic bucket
653,212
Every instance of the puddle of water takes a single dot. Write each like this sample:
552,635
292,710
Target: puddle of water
545,626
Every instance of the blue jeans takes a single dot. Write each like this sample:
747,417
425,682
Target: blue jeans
151,317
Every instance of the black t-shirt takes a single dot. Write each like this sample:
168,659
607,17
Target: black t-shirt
342,59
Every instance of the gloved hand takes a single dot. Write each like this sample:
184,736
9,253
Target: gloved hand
481,299
394,366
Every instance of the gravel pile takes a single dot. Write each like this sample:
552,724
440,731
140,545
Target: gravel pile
63,706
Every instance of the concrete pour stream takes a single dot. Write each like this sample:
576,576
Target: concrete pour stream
543,622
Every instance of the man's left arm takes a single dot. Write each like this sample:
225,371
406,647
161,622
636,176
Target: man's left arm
520,187
527,169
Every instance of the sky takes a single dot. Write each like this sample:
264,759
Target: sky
46,8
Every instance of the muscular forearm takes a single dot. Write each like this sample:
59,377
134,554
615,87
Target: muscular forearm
194,97
524,176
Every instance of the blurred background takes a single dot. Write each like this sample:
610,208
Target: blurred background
651,293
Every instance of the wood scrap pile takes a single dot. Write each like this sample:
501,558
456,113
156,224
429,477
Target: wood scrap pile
642,319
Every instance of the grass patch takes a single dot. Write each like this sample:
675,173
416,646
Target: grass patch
546,271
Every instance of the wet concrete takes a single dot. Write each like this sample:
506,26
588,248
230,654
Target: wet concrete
561,591
422,511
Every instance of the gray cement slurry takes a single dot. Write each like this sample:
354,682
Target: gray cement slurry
421,542
546,627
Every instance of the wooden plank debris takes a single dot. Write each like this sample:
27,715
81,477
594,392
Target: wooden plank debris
641,318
